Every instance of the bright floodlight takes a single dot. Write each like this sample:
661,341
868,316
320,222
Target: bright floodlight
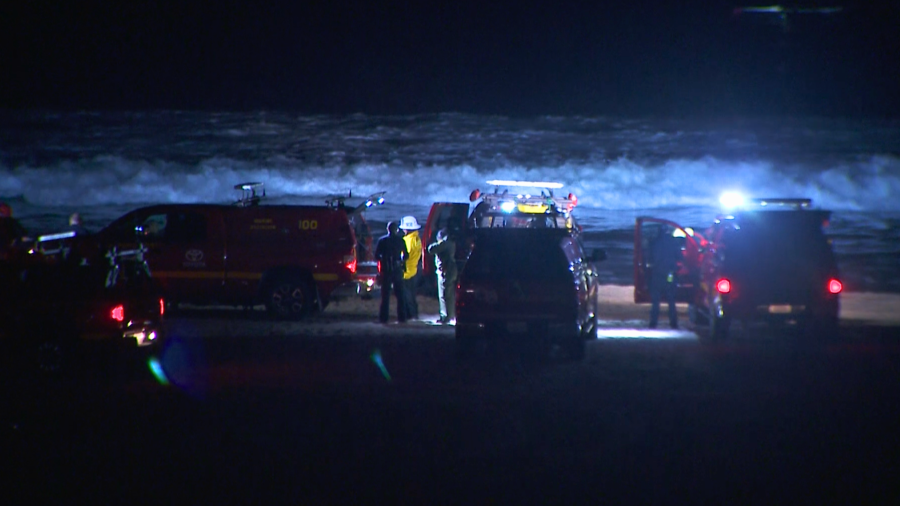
507,207
732,199
529,184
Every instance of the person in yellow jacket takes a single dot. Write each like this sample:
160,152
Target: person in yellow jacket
410,227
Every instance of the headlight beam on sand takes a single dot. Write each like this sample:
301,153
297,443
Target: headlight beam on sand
635,333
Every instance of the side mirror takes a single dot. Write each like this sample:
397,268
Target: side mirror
598,255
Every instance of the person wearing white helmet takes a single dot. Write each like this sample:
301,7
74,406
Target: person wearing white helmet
410,226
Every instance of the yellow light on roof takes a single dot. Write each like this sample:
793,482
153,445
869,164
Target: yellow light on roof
532,208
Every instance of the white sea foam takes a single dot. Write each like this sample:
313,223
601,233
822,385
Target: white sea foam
103,164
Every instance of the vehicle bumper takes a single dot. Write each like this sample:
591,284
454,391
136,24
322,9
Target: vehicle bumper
783,312
512,327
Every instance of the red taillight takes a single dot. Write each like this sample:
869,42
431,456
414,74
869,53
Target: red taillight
723,286
834,286
350,263
118,313
162,307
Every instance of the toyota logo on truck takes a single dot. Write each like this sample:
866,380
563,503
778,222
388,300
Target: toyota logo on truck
194,258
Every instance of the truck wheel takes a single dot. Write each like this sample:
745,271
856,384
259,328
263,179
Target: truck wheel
290,298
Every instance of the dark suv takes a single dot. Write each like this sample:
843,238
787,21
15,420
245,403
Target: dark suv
768,262
62,311
535,285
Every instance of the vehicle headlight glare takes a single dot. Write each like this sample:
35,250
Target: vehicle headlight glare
731,200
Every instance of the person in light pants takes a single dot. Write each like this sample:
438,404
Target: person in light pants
444,250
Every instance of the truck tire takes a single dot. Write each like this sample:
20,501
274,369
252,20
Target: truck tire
289,298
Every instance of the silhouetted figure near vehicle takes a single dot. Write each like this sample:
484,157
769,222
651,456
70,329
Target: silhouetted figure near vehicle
12,233
444,250
391,255
665,252
410,226
75,224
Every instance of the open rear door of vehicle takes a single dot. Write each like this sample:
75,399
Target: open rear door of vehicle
452,215
645,230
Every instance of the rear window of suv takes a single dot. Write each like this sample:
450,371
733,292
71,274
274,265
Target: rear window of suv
517,256
778,238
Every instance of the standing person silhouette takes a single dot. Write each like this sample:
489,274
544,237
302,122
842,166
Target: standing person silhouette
444,250
665,252
391,254
410,226
75,224
12,233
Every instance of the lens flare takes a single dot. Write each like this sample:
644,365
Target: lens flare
376,359
157,370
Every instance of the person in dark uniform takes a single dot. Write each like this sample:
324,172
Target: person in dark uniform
665,252
391,254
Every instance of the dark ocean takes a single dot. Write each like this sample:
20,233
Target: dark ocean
104,164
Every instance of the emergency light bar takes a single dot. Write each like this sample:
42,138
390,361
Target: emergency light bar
792,203
56,237
528,204
733,200
526,184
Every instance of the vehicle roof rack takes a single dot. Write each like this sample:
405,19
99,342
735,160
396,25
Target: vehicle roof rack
551,185
524,202
250,195
337,200
530,203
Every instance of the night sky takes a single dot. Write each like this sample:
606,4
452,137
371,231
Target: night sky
514,58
